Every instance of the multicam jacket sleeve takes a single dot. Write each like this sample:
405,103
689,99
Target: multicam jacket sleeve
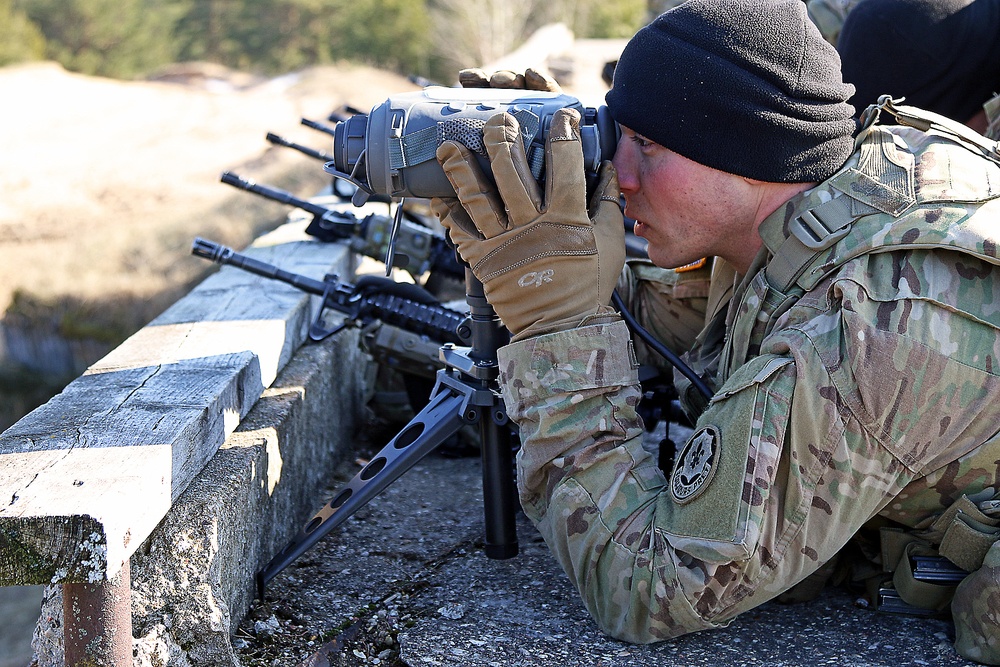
648,566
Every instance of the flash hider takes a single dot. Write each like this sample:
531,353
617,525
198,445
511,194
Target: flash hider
391,150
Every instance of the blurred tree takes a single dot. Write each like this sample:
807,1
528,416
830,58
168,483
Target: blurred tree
612,20
116,38
276,36
431,38
476,32
386,33
20,38
471,33
209,30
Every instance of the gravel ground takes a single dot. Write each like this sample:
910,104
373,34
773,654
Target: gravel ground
405,582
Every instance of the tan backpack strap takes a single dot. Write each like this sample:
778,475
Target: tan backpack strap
877,183
811,232
928,120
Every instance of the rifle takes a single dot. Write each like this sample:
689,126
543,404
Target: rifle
419,249
344,190
322,127
345,111
402,325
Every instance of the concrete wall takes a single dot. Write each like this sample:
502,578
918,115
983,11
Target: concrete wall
193,579
193,574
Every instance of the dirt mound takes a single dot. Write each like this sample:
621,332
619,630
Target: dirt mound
105,183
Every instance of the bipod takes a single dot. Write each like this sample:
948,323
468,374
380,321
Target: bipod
465,392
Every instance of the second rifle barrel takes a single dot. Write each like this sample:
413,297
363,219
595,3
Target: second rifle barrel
319,126
433,319
311,152
221,254
274,194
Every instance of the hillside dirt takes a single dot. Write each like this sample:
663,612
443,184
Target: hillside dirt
105,183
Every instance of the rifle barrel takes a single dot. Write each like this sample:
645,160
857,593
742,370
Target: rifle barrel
320,126
274,194
225,255
311,152
432,319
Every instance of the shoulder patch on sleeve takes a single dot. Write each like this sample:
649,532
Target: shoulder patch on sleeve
696,465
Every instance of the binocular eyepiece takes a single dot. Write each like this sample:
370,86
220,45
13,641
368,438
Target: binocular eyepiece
391,150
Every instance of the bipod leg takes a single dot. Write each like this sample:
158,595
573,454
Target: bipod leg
499,491
446,412
486,408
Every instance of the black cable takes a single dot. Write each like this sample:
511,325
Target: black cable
660,348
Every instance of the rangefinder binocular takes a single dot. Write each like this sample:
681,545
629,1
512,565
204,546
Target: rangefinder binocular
391,150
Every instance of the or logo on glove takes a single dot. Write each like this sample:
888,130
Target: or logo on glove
535,278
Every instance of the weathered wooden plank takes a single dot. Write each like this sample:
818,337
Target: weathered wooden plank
85,478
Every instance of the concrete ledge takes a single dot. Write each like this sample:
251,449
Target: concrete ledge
88,476
192,579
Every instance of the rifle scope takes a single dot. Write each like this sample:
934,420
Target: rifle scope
391,150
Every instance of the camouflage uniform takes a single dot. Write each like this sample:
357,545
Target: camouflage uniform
865,384
992,108
976,609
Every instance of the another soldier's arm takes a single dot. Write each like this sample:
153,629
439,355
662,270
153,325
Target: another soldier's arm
992,111
671,305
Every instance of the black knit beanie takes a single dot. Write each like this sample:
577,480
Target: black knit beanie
941,55
749,88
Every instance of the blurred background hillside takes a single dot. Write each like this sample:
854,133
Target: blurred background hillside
118,116
427,38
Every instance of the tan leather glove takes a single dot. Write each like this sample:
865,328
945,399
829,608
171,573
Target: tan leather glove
546,263
532,79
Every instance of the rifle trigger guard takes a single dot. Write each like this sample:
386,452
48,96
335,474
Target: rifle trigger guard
318,332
